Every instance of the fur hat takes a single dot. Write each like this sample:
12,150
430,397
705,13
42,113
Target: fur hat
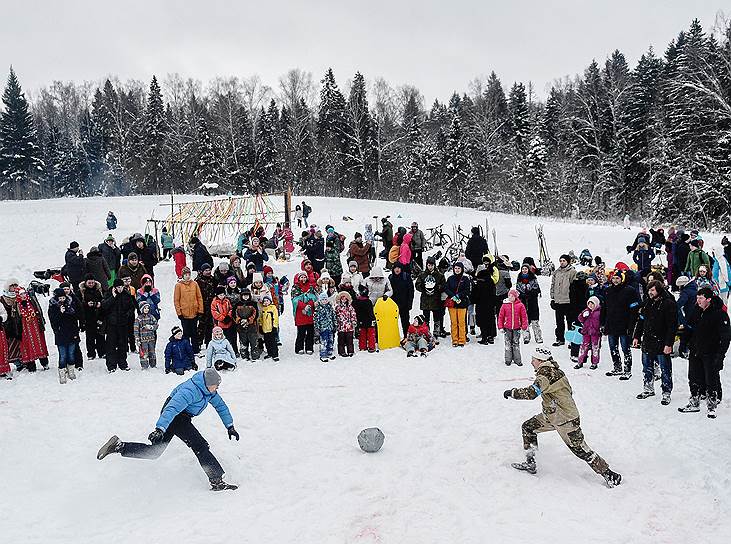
257,277
132,255
58,292
118,283
352,263
682,281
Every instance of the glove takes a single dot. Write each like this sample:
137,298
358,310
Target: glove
456,300
586,313
180,317
385,297
508,393
232,433
156,436
167,371
553,305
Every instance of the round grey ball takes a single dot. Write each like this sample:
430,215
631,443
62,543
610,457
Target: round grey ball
370,440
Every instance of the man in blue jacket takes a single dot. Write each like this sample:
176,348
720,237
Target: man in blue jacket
186,401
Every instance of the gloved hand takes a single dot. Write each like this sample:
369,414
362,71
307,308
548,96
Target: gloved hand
508,393
385,297
156,436
456,299
585,313
167,371
553,305
232,433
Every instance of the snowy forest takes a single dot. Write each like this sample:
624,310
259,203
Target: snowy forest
653,140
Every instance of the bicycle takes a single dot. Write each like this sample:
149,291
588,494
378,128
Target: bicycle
436,238
458,246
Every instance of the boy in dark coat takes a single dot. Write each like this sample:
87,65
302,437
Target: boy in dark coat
65,325
92,294
403,294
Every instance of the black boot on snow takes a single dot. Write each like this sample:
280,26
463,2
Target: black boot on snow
615,372
113,445
612,478
220,485
529,466
692,406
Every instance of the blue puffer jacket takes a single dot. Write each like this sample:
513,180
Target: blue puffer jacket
192,397
179,354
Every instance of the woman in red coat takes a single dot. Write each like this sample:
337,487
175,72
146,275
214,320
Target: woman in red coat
179,256
33,340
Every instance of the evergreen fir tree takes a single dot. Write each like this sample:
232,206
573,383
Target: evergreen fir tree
153,142
21,166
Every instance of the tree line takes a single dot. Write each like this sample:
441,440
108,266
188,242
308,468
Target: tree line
653,141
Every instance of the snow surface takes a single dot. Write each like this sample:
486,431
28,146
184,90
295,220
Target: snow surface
443,474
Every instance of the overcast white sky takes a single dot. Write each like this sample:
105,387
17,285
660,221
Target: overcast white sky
439,46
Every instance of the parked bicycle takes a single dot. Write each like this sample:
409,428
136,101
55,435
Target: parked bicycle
459,245
437,237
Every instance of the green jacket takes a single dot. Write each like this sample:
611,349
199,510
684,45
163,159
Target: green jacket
696,258
555,391
167,241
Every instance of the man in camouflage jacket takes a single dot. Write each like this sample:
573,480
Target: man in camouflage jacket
559,414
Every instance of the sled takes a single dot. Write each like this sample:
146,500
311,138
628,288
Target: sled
387,319
574,336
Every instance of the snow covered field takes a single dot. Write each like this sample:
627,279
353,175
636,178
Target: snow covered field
443,474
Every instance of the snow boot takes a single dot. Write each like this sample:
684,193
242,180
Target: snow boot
665,399
593,367
70,372
518,363
424,353
612,478
528,466
578,365
648,392
113,445
410,353
558,343
626,375
692,406
324,359
616,371
61,375
472,331
490,339
220,485
711,404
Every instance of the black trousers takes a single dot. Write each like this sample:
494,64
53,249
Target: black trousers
94,340
233,338
116,348
190,331
305,338
182,427
703,376
131,335
403,312
270,341
345,343
563,319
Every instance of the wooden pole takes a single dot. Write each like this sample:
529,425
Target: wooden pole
172,211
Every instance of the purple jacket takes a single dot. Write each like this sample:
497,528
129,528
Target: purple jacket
591,321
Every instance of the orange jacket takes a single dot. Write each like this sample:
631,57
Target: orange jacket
221,311
188,299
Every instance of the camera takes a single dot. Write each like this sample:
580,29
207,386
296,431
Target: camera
39,288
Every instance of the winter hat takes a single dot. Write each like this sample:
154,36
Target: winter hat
345,278
514,293
419,319
541,353
357,235
266,297
325,275
593,277
695,243
398,265
566,257
257,277
245,291
118,283
164,229
223,266
458,264
216,330
322,297
352,263
211,377
186,270
64,285
132,255
595,300
682,281
220,290
363,290
74,245
58,292
231,279
109,238
144,305
475,230
89,277
175,330
267,269
724,241
204,267
193,240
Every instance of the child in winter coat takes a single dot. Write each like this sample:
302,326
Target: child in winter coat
325,326
512,319
179,353
366,319
219,353
590,320
529,290
148,293
145,330
418,337
222,313
246,317
303,306
65,325
347,321
269,324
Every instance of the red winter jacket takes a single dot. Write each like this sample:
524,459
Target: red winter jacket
179,256
512,316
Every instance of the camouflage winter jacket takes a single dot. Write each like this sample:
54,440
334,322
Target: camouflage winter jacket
554,388
325,317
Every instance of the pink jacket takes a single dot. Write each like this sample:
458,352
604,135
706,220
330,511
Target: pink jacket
591,321
405,249
512,316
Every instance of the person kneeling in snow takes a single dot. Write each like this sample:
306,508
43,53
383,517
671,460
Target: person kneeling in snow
220,354
418,338
186,401
179,355
559,414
